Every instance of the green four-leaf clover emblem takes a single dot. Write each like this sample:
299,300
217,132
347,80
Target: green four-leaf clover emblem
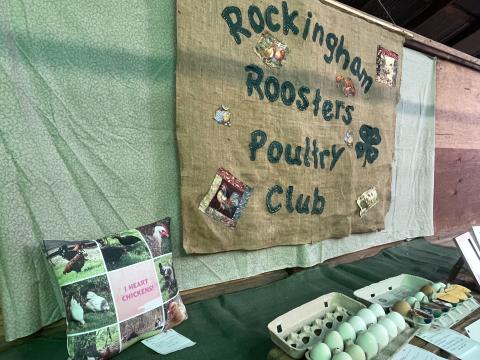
370,137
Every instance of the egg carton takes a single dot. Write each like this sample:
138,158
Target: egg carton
393,346
297,330
458,313
453,316
387,292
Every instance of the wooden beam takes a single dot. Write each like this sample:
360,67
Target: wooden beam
412,40
445,24
212,291
470,43
428,46
429,12
359,4
368,17
470,30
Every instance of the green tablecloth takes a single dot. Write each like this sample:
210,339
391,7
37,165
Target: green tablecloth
234,326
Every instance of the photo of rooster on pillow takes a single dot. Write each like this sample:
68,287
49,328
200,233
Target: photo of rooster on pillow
73,260
166,277
157,237
101,344
123,249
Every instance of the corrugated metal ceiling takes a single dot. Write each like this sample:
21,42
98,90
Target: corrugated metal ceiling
455,23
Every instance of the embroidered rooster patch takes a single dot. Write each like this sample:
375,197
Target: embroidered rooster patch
227,198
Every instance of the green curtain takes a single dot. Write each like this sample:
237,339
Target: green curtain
87,142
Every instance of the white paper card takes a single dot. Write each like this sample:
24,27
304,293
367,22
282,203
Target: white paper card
391,297
409,352
453,342
473,330
168,342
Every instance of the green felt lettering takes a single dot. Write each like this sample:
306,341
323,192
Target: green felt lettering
277,189
258,138
235,27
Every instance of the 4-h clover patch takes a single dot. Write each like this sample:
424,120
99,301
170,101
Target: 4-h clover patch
370,138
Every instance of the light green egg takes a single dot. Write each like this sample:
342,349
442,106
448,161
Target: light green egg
381,334
320,351
334,340
390,326
420,296
368,343
439,286
357,323
342,356
356,352
398,320
368,316
377,310
411,300
347,331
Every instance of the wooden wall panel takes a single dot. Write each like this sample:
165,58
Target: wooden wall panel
457,149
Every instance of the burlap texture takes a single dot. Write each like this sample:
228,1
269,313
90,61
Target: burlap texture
211,72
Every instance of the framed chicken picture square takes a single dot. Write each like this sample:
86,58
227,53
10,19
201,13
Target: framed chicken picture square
116,290
226,198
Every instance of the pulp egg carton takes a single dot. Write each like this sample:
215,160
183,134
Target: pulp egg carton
447,319
297,330
389,342
393,346
458,313
387,292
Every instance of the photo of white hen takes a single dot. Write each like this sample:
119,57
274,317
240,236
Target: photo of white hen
96,303
76,311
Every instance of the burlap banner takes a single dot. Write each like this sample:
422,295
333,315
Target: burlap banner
285,122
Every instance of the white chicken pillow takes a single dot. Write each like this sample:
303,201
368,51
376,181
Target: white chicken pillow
117,290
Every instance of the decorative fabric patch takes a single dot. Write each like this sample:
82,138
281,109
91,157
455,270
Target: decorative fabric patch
348,138
386,66
370,137
117,290
222,116
346,84
227,198
272,52
367,200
